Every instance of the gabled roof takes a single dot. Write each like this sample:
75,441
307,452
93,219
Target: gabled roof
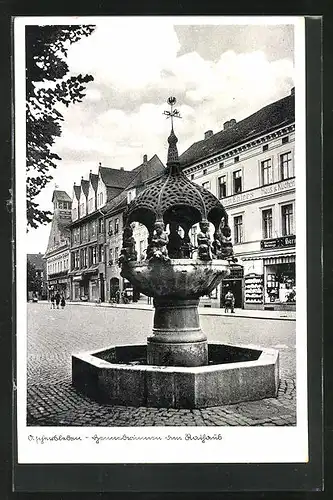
94,180
116,204
60,196
274,115
113,177
85,186
146,170
77,191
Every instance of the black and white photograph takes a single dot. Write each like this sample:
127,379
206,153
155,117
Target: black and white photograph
160,184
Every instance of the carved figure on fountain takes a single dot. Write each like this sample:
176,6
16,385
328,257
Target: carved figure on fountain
157,248
128,252
204,243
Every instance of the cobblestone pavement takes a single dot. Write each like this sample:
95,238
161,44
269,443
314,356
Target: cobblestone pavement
54,335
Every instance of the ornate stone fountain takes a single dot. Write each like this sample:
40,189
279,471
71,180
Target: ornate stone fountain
177,368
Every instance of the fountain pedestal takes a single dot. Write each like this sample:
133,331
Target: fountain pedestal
177,337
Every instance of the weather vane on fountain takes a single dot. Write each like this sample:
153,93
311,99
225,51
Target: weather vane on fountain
174,113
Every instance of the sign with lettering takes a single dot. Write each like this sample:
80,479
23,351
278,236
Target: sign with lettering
260,192
284,241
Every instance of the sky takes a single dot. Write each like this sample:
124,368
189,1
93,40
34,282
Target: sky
216,72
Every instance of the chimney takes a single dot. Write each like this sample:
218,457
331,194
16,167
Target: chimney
145,158
229,124
292,92
208,134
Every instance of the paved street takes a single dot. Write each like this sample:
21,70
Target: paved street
54,335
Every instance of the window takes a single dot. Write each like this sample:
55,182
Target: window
101,226
287,220
206,185
286,166
267,229
266,172
221,165
237,181
194,235
236,159
111,256
192,177
93,255
116,254
265,147
238,228
93,228
204,172
222,187
142,247
110,231
116,226
285,139
101,253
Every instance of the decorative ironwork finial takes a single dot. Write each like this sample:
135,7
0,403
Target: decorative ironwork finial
173,113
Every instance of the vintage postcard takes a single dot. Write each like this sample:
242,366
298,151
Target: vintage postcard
160,175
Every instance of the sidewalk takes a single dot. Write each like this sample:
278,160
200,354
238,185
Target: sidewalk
205,311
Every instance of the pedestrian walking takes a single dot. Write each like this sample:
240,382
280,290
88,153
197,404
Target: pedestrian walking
229,302
52,301
63,302
57,299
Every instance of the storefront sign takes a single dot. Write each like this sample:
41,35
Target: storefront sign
261,192
284,241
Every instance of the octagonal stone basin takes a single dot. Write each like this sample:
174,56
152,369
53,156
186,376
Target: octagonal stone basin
181,278
119,375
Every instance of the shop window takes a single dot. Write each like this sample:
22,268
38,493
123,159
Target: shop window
266,172
238,229
206,185
287,220
237,181
116,226
280,283
267,221
286,166
222,186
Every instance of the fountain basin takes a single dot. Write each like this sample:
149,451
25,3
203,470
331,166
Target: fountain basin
120,375
176,278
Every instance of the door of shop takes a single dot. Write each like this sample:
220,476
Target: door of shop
234,283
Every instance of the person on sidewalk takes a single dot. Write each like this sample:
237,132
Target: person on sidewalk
229,302
63,302
57,299
52,301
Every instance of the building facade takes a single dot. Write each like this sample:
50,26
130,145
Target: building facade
250,167
57,255
96,229
37,277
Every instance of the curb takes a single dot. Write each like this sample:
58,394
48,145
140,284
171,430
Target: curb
202,311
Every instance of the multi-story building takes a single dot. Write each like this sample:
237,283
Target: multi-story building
114,223
250,167
96,229
37,284
57,252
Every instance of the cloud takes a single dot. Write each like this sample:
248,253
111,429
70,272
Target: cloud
137,64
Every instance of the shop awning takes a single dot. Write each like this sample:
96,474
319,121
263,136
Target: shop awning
268,256
285,259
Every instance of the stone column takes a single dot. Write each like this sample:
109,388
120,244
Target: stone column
177,337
